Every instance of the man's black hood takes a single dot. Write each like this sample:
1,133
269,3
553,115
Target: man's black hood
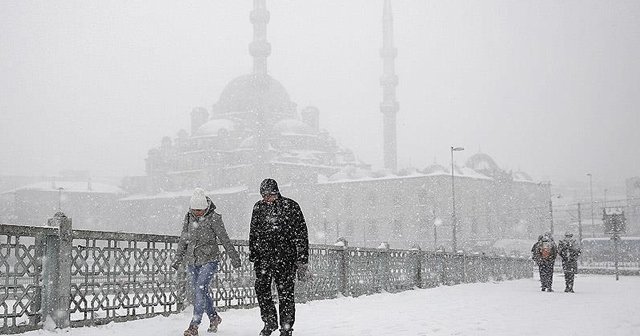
269,186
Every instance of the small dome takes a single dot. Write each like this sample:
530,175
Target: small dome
215,126
483,163
292,126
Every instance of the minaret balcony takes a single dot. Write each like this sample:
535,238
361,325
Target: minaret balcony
391,107
260,48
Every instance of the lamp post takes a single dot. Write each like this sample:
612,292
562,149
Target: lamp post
551,197
454,221
593,227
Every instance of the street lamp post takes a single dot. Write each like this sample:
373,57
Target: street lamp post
593,227
454,221
551,197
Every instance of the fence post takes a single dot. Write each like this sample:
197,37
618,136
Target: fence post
36,305
385,262
343,267
416,255
464,268
57,272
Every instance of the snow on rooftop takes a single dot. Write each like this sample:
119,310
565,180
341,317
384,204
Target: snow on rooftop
184,193
71,186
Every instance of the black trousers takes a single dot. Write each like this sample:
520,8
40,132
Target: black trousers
546,274
570,269
284,277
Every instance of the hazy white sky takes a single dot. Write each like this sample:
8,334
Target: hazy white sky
548,87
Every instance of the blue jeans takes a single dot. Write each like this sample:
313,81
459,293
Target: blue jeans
201,277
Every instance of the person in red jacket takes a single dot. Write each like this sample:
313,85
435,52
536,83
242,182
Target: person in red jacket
544,253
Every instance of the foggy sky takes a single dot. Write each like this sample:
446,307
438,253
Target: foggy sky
548,87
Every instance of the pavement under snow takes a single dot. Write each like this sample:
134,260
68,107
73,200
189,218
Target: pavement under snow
600,306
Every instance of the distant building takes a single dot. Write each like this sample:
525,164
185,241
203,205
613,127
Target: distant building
91,205
632,211
255,131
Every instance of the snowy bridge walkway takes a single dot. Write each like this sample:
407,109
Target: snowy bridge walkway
600,306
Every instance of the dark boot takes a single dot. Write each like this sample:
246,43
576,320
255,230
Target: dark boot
191,331
287,332
215,320
268,329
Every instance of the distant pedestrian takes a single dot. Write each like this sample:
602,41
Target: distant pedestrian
544,253
279,249
569,251
202,230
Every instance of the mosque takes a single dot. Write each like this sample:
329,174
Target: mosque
255,131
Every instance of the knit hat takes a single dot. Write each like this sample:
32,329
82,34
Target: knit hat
199,200
269,186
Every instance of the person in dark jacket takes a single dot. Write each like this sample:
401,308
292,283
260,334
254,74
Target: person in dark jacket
569,251
202,229
279,249
544,253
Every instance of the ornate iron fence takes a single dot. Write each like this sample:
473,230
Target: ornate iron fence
77,277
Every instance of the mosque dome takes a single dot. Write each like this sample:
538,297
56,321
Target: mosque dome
482,162
255,93
292,126
216,127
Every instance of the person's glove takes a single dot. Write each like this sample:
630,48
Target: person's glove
175,265
303,273
235,262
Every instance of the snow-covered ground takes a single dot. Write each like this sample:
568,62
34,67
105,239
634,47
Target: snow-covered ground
600,306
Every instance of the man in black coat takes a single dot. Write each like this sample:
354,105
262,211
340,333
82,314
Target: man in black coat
279,249
569,252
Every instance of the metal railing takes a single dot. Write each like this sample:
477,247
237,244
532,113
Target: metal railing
76,277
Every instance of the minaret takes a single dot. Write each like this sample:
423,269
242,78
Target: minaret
389,80
260,49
